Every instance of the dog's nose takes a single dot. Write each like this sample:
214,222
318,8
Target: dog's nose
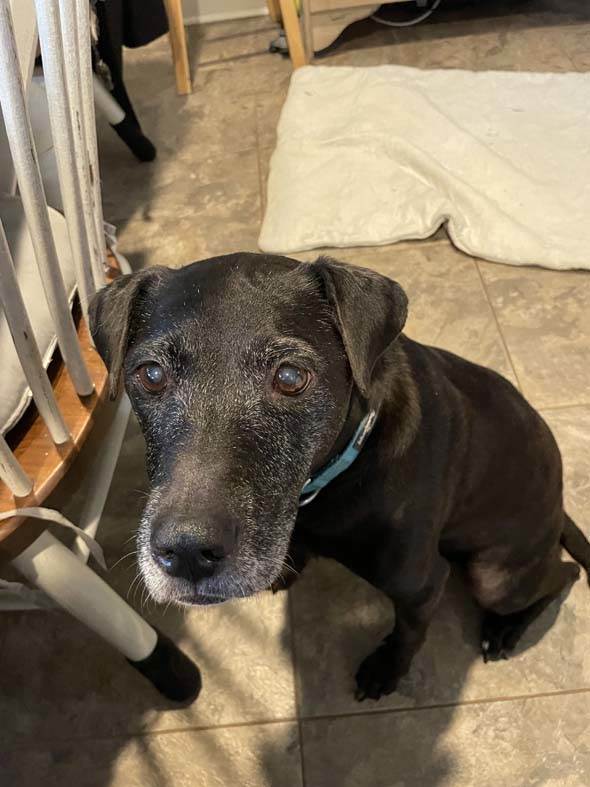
188,552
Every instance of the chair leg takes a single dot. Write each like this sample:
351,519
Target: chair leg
77,589
274,10
125,125
307,29
178,46
293,33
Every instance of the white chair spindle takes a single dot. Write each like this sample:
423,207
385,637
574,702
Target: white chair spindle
24,156
24,340
63,141
12,473
88,113
72,64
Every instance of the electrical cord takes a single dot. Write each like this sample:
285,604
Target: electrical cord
424,15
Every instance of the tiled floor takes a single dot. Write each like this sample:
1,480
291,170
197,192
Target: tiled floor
277,707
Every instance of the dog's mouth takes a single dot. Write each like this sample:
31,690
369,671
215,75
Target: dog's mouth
201,599
255,563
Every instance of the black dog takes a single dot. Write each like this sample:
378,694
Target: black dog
251,374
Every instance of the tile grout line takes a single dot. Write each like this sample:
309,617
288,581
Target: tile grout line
564,51
499,328
243,34
569,405
541,408
261,194
223,61
291,616
311,718
446,705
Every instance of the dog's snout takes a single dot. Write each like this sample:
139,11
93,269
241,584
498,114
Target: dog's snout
187,551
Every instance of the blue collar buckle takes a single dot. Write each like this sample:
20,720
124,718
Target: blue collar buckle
341,462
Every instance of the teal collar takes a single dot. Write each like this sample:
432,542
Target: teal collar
340,462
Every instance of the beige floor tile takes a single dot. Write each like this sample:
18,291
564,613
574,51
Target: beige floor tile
571,427
189,218
68,683
200,127
223,49
536,49
498,36
542,49
251,76
254,756
448,306
541,741
545,319
357,56
575,41
60,682
268,112
237,28
339,619
161,182
473,51
149,71
264,156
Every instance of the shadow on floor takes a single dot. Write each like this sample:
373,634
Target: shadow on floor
456,18
338,620
71,699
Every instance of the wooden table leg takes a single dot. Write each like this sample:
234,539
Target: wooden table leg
178,46
307,29
293,33
274,10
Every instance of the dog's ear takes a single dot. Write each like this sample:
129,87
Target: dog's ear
370,310
112,313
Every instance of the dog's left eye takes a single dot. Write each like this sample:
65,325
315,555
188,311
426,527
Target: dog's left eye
152,377
291,380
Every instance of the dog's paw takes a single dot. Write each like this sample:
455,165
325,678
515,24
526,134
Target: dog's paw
498,638
376,676
493,650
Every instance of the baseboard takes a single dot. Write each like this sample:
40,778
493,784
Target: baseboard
224,16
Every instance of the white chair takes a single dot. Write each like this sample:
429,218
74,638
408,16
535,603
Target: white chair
46,259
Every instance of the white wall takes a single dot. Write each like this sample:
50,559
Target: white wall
214,10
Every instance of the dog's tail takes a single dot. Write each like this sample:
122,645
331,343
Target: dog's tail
576,543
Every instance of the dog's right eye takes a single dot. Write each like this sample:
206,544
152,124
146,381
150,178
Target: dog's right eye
291,380
152,377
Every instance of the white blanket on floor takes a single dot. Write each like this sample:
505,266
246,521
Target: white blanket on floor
370,156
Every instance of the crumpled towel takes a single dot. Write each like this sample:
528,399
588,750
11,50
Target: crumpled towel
369,156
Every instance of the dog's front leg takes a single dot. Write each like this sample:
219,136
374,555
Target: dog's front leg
415,604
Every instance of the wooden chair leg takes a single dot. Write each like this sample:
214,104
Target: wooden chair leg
78,590
307,29
293,33
274,10
178,46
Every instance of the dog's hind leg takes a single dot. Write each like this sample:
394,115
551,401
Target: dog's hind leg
513,600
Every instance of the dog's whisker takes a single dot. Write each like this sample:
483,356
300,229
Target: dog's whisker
134,585
124,557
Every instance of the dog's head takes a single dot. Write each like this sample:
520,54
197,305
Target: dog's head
240,371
